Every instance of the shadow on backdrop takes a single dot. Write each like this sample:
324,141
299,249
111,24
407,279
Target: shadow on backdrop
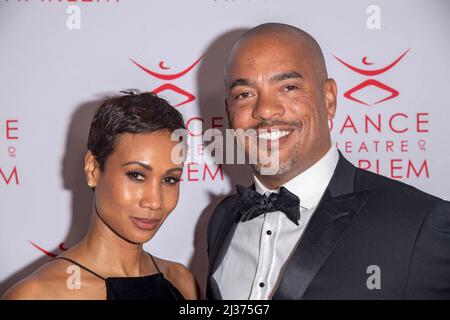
211,102
73,178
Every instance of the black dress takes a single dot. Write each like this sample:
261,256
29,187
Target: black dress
151,287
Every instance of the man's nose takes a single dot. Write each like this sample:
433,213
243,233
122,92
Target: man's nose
267,107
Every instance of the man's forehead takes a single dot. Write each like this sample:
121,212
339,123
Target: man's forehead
274,60
291,51
272,42
268,48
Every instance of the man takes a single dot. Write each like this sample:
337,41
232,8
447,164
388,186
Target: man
318,228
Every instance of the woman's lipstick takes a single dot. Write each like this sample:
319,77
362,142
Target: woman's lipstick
146,224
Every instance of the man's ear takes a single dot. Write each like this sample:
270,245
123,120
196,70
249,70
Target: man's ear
91,169
330,94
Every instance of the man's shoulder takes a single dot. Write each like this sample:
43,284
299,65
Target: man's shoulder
394,192
220,214
226,202
222,208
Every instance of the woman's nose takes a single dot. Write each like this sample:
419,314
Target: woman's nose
151,197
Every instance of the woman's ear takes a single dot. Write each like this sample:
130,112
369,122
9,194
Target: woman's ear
91,169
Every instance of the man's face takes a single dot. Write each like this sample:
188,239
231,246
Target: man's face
272,84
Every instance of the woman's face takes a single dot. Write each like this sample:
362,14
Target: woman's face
139,185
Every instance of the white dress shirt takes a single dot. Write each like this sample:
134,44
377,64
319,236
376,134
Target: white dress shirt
261,247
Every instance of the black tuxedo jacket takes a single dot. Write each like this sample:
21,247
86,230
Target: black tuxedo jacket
362,220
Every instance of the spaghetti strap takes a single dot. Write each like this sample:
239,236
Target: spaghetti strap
154,262
81,266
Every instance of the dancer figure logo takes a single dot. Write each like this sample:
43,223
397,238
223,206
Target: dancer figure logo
169,77
349,94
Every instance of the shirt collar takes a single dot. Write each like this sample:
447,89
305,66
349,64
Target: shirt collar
309,185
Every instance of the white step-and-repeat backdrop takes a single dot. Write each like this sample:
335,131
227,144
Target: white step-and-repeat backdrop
58,59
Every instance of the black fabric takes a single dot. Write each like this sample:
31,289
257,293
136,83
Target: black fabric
362,220
151,287
253,204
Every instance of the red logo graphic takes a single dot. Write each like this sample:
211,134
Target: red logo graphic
48,253
168,77
371,82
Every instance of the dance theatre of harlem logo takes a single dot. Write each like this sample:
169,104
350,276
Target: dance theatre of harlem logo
195,170
385,140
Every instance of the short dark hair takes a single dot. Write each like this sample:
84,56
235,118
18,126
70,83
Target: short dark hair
133,112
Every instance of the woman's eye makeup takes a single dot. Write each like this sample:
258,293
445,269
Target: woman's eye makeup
136,175
140,176
171,180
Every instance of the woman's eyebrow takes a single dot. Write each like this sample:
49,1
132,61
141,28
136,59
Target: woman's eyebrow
175,169
144,165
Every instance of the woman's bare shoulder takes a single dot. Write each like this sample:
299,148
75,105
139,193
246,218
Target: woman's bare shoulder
57,279
41,284
180,276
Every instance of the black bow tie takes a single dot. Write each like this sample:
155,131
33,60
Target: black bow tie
252,204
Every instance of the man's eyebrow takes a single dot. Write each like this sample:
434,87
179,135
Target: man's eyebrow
144,165
286,76
238,82
277,77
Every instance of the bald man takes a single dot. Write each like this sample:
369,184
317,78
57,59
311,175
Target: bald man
316,227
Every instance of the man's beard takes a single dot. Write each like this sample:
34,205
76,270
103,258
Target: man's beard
284,164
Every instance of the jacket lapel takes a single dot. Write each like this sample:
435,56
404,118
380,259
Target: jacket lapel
339,205
220,248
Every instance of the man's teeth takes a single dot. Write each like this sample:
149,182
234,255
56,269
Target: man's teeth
273,135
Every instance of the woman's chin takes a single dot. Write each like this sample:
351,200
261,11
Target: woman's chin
141,238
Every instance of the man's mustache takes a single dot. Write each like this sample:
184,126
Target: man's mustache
279,123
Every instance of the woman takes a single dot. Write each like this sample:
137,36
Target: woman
135,181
